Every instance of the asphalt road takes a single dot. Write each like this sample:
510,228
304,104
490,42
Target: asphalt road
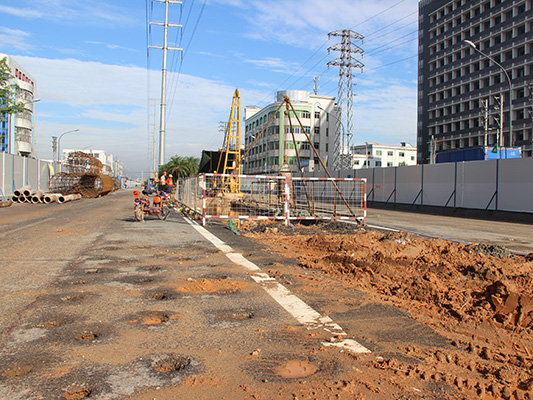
98,305
512,235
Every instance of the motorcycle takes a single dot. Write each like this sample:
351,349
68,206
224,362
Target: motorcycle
142,206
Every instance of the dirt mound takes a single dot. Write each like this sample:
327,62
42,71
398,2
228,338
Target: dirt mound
480,296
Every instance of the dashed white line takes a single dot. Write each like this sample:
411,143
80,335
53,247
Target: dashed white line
300,310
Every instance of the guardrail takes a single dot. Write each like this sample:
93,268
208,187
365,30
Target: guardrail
262,197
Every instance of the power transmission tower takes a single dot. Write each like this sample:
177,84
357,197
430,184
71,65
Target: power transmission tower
165,47
346,61
316,79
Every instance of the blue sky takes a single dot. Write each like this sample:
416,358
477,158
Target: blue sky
94,73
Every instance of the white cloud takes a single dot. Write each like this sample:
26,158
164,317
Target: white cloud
76,11
275,64
14,39
108,103
20,12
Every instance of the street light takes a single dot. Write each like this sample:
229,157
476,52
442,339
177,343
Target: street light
473,45
59,142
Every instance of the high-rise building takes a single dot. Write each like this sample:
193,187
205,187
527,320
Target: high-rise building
460,90
17,130
276,146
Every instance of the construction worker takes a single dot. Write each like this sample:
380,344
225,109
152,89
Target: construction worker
163,182
170,183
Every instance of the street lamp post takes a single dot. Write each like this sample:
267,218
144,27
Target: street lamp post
59,142
473,45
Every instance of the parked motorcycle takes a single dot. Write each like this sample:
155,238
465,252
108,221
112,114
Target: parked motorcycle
142,206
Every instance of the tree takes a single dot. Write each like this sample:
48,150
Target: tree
181,167
8,103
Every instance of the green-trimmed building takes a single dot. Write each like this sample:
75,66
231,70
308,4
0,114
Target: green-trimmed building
276,145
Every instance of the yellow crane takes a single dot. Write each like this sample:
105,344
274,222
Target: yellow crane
229,162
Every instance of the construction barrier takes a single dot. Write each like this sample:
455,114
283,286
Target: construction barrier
249,197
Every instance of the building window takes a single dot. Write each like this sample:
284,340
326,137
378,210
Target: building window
317,130
378,163
402,154
327,147
390,153
378,152
389,164
317,115
306,114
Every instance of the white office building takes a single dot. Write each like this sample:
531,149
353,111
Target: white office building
17,130
375,155
276,146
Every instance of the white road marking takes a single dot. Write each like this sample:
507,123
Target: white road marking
303,313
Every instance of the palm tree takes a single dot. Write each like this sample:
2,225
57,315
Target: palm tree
181,167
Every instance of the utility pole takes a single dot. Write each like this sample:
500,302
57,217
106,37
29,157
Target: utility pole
54,148
499,120
152,145
346,62
485,120
162,125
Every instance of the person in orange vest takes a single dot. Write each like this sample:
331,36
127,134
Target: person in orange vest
163,182
170,183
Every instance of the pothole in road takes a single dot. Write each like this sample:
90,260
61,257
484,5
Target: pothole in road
87,336
82,334
215,276
230,318
150,268
288,367
152,318
137,279
161,295
16,370
171,363
54,321
296,369
77,393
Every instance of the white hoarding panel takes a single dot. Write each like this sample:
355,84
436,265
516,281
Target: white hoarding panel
476,184
515,186
408,184
439,184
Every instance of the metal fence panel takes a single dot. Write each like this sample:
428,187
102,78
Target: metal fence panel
316,198
439,184
477,184
514,177
409,190
217,196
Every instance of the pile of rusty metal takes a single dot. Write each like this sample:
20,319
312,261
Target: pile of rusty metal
85,175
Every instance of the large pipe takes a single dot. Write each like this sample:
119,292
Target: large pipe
68,197
37,197
28,193
20,192
51,197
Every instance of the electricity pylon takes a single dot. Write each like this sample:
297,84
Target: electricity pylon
346,61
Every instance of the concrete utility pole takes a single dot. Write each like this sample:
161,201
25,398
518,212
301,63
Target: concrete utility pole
511,139
343,140
485,120
152,145
165,25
